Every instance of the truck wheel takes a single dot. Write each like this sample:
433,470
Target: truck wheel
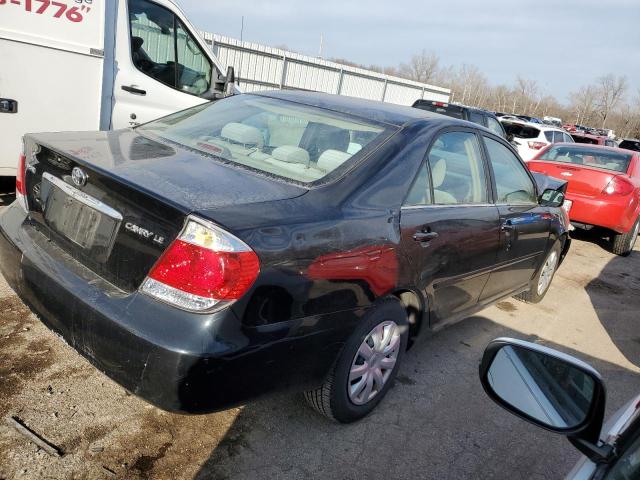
623,243
366,367
541,282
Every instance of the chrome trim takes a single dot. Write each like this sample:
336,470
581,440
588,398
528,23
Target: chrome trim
82,197
447,205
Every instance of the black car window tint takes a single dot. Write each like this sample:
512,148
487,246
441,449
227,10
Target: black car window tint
457,172
513,184
420,192
476,117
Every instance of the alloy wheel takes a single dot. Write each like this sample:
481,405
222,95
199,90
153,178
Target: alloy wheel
547,272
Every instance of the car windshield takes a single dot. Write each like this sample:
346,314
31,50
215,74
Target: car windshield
278,137
591,157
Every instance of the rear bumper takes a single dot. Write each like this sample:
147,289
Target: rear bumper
614,214
176,360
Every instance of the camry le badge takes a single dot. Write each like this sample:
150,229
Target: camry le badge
78,177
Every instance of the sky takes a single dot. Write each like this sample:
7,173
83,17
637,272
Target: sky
562,44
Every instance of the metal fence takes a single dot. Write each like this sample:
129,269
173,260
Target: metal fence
259,67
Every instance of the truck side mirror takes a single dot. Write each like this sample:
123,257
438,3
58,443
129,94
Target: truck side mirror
547,388
220,86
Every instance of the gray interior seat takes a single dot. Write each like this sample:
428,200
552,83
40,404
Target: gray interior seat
438,173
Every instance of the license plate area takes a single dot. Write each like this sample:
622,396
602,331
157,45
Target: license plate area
82,219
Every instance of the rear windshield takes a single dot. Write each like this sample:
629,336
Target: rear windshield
521,131
581,139
630,145
290,140
591,157
450,110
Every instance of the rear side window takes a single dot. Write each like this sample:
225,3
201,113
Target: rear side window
157,38
494,126
521,131
457,169
567,138
549,136
513,184
476,117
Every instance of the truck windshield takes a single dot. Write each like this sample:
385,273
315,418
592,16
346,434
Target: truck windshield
588,156
287,139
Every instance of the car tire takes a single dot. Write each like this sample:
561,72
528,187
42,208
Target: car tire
543,278
338,398
622,243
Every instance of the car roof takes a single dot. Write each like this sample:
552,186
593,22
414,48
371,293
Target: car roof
388,113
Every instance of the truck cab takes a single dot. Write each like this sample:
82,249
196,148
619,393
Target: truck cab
97,65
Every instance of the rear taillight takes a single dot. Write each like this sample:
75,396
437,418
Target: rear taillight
440,104
536,145
204,269
618,186
21,186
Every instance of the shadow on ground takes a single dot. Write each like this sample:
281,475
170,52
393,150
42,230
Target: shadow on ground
418,431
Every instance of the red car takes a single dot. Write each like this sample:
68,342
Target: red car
603,191
581,137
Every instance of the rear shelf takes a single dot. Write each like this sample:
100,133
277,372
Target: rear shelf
107,225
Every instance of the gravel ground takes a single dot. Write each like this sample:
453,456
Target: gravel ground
435,423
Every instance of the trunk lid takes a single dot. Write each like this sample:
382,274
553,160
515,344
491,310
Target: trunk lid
583,180
130,197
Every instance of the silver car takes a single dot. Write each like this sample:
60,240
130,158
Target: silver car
564,395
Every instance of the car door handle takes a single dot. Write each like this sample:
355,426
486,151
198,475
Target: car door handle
507,227
424,236
133,89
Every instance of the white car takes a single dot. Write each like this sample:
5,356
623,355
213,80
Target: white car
530,138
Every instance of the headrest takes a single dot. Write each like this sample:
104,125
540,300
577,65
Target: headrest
241,133
136,43
438,171
291,154
332,159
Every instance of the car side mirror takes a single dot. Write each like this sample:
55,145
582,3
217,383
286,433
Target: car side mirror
220,86
547,388
551,198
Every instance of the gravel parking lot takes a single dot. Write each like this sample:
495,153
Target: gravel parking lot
435,423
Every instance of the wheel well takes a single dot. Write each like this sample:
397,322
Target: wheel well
415,311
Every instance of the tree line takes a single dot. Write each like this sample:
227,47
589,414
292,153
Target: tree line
605,103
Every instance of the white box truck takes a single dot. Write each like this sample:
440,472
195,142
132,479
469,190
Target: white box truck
97,65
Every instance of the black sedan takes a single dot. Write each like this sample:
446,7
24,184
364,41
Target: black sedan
273,241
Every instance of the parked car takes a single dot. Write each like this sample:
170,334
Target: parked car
564,395
527,118
604,188
580,137
475,115
630,144
236,248
555,121
529,138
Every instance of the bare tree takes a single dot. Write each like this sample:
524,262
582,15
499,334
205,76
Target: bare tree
422,67
610,91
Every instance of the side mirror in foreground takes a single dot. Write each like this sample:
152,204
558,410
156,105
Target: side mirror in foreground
549,389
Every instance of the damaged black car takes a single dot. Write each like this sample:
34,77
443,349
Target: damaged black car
273,241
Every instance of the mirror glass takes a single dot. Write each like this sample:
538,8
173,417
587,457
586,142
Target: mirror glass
551,391
552,198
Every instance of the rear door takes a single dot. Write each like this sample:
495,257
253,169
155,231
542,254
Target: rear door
161,65
524,225
449,226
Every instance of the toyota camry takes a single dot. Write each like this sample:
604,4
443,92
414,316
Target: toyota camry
272,241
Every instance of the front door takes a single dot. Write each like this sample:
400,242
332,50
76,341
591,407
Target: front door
524,225
161,67
449,227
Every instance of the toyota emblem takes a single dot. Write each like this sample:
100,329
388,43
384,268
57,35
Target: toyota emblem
79,177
